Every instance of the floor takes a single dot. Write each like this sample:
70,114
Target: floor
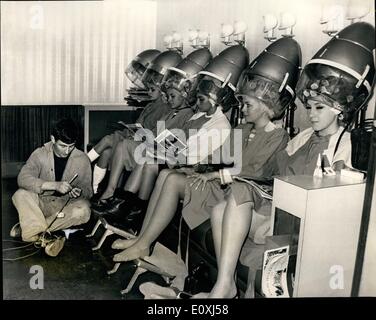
77,273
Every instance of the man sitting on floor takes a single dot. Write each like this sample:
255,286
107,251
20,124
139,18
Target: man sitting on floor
55,185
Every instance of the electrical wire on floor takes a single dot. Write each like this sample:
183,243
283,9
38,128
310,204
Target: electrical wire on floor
28,245
20,247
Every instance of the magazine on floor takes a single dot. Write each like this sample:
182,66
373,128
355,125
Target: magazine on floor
274,272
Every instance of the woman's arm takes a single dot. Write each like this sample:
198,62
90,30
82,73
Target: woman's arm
260,163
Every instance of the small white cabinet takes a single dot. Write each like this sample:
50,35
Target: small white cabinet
327,212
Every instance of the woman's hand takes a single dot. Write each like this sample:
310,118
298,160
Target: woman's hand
200,179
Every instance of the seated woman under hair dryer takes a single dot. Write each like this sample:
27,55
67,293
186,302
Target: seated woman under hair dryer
180,99
215,86
329,87
148,118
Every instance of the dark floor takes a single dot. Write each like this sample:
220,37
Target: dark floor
77,273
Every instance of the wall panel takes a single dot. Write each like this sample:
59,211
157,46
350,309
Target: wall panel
71,52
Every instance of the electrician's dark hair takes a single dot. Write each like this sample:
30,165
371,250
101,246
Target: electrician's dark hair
66,130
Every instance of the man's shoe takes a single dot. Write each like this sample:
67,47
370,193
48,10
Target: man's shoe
15,232
54,247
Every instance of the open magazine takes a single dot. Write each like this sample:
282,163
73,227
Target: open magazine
168,146
274,272
135,128
265,191
171,142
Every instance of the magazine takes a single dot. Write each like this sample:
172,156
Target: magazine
274,272
170,142
167,147
263,190
138,95
135,128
